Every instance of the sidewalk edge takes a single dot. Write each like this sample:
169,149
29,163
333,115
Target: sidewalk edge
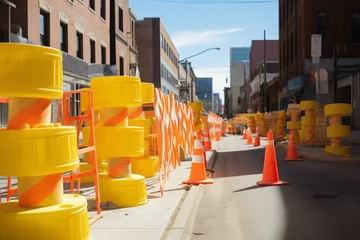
322,159
184,222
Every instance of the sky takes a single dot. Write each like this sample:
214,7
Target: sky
195,26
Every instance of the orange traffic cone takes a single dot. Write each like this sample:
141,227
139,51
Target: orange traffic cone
249,137
207,142
244,133
257,138
270,175
291,153
198,172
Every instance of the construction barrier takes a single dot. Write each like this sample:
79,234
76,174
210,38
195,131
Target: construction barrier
30,141
174,125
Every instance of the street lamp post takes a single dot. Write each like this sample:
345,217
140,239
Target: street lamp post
186,67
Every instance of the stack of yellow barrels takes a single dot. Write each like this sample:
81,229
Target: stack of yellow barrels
336,130
37,151
308,122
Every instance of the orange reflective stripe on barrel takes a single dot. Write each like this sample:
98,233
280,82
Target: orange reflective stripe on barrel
38,190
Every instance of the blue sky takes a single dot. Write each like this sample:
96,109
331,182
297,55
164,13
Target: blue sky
194,27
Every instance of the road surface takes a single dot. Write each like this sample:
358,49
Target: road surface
322,201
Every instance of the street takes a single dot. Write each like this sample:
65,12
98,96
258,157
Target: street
322,201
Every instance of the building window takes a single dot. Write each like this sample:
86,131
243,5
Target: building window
103,55
79,45
121,66
103,9
44,28
321,24
92,4
162,41
92,51
355,27
63,37
121,19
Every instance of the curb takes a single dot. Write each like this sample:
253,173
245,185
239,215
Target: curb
329,159
184,222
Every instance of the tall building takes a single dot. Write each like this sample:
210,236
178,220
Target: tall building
255,97
204,92
158,57
239,54
239,71
339,24
216,98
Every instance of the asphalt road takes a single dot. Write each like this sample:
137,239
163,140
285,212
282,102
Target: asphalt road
322,201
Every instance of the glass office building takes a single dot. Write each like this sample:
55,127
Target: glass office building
239,54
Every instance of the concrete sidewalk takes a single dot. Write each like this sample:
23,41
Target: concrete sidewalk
153,220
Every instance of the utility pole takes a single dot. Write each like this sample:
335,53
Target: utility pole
265,73
335,74
245,88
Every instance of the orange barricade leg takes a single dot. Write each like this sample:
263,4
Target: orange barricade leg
270,175
198,172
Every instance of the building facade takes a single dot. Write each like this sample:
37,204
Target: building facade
262,51
187,79
217,103
238,73
204,92
339,24
158,57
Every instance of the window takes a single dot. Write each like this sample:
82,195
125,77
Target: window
103,9
321,20
63,37
92,51
44,28
103,55
121,66
355,27
162,41
92,4
121,19
79,45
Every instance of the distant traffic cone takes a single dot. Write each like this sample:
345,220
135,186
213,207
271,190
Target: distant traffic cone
257,138
270,175
197,171
207,142
291,153
249,137
244,133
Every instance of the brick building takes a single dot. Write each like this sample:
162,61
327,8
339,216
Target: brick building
79,28
253,97
339,24
158,57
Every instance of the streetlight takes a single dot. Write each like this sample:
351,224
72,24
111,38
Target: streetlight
197,54
186,67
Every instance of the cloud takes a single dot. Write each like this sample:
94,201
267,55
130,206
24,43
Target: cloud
187,38
219,75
